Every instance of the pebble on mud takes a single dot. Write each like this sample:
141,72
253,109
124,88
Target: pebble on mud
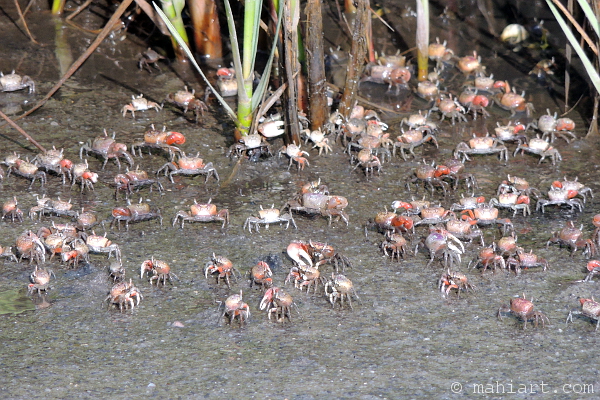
177,324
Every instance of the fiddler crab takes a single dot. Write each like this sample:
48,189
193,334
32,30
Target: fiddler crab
551,127
579,187
441,243
10,210
316,254
339,288
261,274
429,89
510,132
559,197
305,276
419,121
267,216
12,82
158,271
40,280
253,146
233,308
221,267
75,252
525,260
149,58
389,221
81,173
7,252
394,245
24,169
412,138
439,53
434,215
134,213
47,206
474,103
53,161
188,101
226,82
541,148
518,185
450,108
295,154
481,145
106,148
395,75
277,303
202,212
467,203
593,268
513,201
511,101
124,295
318,203
464,229
116,271
430,176
486,215
29,246
135,179
190,166
488,258
102,245
317,137
368,161
139,103
524,310
572,238
162,140
470,64
454,280
589,308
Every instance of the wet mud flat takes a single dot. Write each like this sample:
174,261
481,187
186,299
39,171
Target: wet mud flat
403,338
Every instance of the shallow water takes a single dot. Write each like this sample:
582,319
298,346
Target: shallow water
403,339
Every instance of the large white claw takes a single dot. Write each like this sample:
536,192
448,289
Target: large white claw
296,252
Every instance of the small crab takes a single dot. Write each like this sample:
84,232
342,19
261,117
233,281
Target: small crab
27,170
486,215
548,125
29,246
40,280
394,76
10,210
47,206
429,89
106,148
454,280
295,154
488,258
221,267
581,189
190,166
481,145
524,310
261,274
316,254
162,140
102,245
427,175
226,82
464,230
158,269
139,104
441,243
412,138
470,64
75,252
467,203
419,121
54,161
394,245
525,260
450,108
318,203
338,289
514,201
124,295
511,101
81,173
269,216
571,237
188,101
12,82
319,140
510,132
593,268
518,185
305,276
203,212
116,271
134,213
541,148
277,302
253,146
559,197
234,307
135,179
589,308
149,58
367,161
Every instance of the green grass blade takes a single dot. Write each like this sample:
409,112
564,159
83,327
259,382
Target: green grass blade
235,50
589,67
185,48
589,13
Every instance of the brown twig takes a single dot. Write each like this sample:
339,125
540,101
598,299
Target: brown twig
22,18
21,131
581,31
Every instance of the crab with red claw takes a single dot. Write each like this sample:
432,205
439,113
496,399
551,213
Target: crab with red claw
203,212
394,245
368,161
75,252
277,303
450,108
12,82
81,173
427,174
40,280
541,148
54,161
102,245
589,308
161,140
559,197
187,101
511,101
442,244
518,185
510,132
464,229
579,187
488,258
486,215
593,268
481,145
412,138
261,275
124,295
234,307
158,271
222,268
454,280
525,260
339,288
135,180
467,203
571,237
252,146
189,166
513,201
133,213
524,310
106,148
267,216
434,215
11,210
453,170
551,127
321,204
139,103
295,154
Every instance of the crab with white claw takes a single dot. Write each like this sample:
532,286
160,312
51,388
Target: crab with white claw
222,267
253,146
202,212
454,280
161,140
158,271
579,187
135,179
271,126
318,203
102,245
139,103
124,295
12,82
106,148
368,161
412,138
234,307
278,303
47,206
319,140
316,254
441,243
559,197
295,154
269,216
481,145
524,310
338,289
514,201
589,308
190,166
187,101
